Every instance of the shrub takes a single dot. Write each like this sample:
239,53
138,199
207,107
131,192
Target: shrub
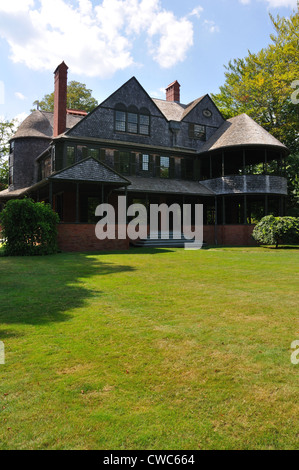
29,228
277,230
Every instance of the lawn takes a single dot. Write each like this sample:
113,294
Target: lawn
150,349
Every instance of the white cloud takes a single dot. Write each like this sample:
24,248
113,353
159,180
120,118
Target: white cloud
211,26
94,40
19,118
196,12
275,3
20,96
282,3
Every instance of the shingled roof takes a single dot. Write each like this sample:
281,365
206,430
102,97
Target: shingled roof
90,170
161,185
174,111
239,131
40,124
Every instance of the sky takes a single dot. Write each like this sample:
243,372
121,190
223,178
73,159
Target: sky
106,42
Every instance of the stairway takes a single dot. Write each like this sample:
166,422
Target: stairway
156,241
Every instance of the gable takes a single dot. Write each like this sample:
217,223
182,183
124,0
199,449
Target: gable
90,170
194,112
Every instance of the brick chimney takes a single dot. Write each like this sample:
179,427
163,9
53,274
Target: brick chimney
173,92
60,99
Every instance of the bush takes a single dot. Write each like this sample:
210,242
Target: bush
277,230
29,228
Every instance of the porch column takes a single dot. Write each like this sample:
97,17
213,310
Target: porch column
223,210
244,162
216,223
223,167
126,194
77,203
245,210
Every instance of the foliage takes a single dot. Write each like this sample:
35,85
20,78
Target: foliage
261,84
78,97
7,129
29,228
274,230
293,184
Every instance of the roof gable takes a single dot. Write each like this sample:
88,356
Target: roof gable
90,170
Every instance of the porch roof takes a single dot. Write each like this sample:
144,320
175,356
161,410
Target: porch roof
90,170
169,186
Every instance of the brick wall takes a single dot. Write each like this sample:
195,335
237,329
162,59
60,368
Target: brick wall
81,237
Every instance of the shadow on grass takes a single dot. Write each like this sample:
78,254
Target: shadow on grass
40,290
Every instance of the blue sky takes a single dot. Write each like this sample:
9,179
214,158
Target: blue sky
106,42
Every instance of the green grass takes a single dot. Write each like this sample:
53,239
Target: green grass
150,349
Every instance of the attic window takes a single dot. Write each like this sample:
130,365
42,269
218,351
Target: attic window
131,120
196,131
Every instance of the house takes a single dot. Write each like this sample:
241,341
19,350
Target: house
152,151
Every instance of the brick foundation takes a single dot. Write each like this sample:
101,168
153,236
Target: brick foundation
81,237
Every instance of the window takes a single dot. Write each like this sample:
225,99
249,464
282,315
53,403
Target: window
82,152
145,162
196,131
70,156
124,163
132,120
164,167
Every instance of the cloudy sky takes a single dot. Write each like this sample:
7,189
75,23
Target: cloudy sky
106,42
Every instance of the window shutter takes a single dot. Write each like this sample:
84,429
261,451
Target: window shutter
196,168
157,168
151,165
183,168
102,155
171,167
116,161
132,164
140,161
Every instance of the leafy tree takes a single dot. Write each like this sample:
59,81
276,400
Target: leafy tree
7,129
277,230
78,97
261,84
29,228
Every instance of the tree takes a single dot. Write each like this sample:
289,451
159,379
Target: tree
262,85
78,97
277,230
7,129
29,228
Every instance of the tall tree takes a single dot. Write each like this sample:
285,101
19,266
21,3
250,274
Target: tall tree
265,85
261,84
7,129
78,97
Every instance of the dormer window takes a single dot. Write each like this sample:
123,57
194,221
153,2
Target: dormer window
197,131
131,120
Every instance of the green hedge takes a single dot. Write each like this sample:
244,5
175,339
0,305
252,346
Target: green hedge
29,228
277,230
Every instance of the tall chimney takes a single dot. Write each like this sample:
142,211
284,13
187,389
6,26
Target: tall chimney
173,92
60,99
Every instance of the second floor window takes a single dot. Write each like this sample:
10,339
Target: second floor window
132,120
196,131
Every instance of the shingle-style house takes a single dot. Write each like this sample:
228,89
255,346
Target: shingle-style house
152,151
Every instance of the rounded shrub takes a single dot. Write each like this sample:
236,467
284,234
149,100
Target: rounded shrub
29,228
277,230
